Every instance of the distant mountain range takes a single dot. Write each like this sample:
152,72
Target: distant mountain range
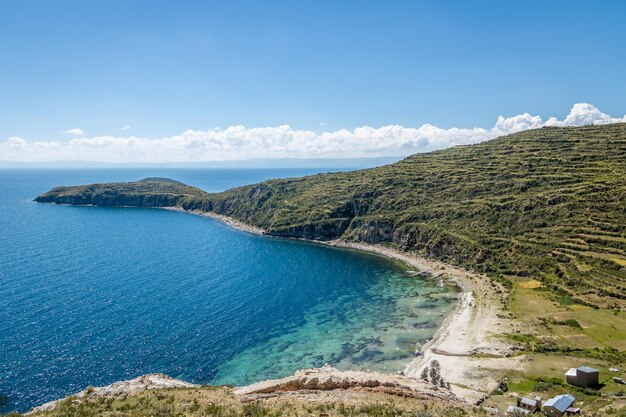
353,163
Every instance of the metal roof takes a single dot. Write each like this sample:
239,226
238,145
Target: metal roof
587,369
529,401
560,402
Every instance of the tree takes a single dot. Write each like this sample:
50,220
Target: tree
435,372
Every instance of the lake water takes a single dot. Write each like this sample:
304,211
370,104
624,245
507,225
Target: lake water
89,296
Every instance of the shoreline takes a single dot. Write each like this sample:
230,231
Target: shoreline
235,224
466,344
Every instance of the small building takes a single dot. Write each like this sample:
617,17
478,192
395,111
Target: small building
530,404
572,411
516,410
557,406
583,376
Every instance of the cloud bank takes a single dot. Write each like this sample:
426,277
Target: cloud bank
239,142
74,132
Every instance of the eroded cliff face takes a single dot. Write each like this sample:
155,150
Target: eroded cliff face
372,231
112,200
322,230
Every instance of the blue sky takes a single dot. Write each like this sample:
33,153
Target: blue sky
160,68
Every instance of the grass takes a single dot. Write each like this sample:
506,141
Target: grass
559,335
571,325
544,377
532,284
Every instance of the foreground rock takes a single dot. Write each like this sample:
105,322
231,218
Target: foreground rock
302,383
328,378
117,389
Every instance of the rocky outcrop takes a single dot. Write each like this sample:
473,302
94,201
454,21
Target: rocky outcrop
372,231
328,378
112,200
325,378
144,382
321,230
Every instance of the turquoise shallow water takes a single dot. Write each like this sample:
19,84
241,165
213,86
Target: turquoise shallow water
89,296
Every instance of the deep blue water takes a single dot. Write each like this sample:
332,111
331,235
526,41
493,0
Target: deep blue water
92,295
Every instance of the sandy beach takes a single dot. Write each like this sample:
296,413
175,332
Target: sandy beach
467,344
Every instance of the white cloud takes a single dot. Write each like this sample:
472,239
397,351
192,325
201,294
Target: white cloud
584,114
15,142
239,142
74,132
126,127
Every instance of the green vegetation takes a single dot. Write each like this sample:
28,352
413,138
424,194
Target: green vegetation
432,373
543,376
545,203
600,332
555,335
149,192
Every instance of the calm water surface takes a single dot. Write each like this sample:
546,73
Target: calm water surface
89,295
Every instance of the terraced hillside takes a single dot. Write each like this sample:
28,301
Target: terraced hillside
548,204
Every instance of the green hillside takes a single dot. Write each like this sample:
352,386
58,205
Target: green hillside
548,204
149,192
